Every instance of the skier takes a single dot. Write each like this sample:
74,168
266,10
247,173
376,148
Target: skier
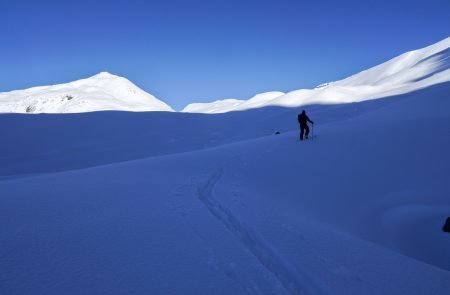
303,120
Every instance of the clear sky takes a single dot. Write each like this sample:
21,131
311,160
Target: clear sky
192,51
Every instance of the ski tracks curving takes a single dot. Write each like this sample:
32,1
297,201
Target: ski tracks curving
293,280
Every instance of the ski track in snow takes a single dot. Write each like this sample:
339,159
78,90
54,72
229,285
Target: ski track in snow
259,283
292,279
231,270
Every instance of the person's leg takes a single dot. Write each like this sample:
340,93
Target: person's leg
302,130
307,131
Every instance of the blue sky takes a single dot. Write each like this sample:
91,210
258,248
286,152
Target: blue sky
186,51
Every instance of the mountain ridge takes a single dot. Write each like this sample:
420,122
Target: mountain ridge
100,92
104,91
404,73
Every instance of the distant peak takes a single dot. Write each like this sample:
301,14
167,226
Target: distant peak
104,75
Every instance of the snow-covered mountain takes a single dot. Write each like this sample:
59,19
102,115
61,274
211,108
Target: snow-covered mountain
405,73
103,91
227,105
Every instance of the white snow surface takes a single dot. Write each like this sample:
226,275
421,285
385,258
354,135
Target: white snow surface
180,203
227,105
101,92
405,73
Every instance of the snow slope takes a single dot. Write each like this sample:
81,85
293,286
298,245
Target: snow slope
227,105
408,72
180,203
101,92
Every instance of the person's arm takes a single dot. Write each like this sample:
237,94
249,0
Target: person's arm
307,118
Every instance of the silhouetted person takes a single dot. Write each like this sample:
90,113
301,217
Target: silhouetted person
303,121
446,227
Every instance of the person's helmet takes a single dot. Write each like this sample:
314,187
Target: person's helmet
303,112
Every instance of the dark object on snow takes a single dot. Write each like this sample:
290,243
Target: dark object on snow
278,132
446,227
303,121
